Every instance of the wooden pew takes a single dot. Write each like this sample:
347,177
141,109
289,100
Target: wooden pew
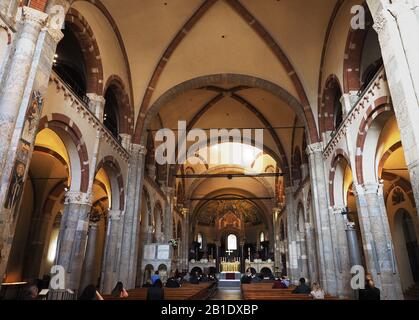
264,291
188,291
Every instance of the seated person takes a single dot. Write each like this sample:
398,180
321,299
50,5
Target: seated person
194,278
119,291
155,277
302,288
317,293
172,282
247,278
156,292
90,293
280,284
255,277
371,292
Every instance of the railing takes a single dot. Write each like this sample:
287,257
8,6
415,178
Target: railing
361,95
91,117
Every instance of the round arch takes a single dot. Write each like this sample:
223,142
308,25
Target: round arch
113,170
304,113
72,138
90,49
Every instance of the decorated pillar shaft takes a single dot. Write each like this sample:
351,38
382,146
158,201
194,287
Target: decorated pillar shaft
326,259
89,265
112,250
293,271
26,80
397,26
131,224
17,74
72,237
378,245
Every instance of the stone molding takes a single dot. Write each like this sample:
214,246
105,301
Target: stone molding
80,198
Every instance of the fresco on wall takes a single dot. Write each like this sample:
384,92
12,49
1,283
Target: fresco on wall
245,210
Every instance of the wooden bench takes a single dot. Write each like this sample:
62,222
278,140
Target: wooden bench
264,291
188,291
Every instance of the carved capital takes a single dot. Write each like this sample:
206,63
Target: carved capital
115,215
314,148
55,34
33,17
76,197
138,149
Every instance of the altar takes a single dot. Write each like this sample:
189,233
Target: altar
230,266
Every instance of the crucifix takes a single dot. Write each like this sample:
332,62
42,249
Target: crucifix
229,253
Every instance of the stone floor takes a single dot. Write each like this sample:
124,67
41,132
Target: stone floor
227,294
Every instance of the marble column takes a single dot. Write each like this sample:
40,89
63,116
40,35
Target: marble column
378,244
36,245
112,250
217,255
89,264
277,254
13,87
27,71
97,105
168,213
73,235
131,225
319,187
342,252
291,226
397,25
185,237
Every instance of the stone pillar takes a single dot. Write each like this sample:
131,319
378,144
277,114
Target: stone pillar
217,254
277,254
8,9
112,250
89,265
397,25
73,235
168,213
185,238
319,187
378,245
302,255
355,256
291,226
35,250
242,262
17,75
97,105
342,253
26,75
131,226
125,140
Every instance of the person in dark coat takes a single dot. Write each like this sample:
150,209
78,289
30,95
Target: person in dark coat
370,292
156,292
172,282
302,288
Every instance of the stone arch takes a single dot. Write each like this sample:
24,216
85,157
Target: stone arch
125,108
339,163
304,113
353,54
90,49
327,112
367,139
72,137
113,170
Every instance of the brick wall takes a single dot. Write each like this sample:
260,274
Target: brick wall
38,4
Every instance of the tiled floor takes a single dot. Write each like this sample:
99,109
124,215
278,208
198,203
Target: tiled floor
227,294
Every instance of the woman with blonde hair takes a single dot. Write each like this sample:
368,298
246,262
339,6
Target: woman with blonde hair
317,292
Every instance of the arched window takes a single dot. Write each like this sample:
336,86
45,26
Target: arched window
232,242
262,237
